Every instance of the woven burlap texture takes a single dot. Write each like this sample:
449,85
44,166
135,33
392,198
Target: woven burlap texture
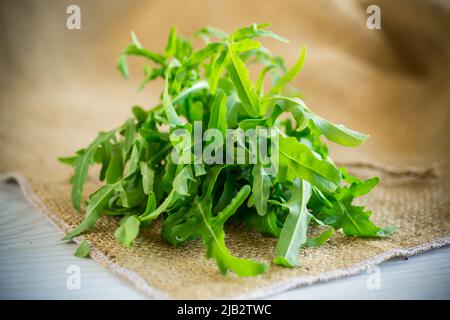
59,87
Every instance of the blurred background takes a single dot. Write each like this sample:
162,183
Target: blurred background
392,83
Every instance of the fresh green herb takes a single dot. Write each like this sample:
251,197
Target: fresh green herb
295,228
83,250
128,230
195,198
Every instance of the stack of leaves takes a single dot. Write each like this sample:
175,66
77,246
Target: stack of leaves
195,200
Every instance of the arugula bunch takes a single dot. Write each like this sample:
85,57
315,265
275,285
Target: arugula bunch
195,200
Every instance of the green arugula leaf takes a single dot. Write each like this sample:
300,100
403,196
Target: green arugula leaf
244,86
180,183
301,162
201,55
246,45
69,160
82,163
82,250
320,239
135,40
218,117
130,192
130,132
137,51
294,232
290,75
260,189
123,66
267,224
256,30
180,188
140,114
171,47
171,114
97,202
261,76
211,32
217,68
338,133
354,220
335,133
104,153
115,168
128,231
214,236
228,192
134,159
148,177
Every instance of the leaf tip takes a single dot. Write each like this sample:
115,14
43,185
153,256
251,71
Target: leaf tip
135,40
282,261
387,231
122,65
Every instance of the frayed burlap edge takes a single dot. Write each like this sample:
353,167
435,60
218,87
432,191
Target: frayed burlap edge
262,292
64,228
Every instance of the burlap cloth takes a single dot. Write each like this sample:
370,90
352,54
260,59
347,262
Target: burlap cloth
59,87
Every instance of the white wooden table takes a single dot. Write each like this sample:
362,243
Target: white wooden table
33,265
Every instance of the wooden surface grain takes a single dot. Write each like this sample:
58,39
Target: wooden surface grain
34,264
